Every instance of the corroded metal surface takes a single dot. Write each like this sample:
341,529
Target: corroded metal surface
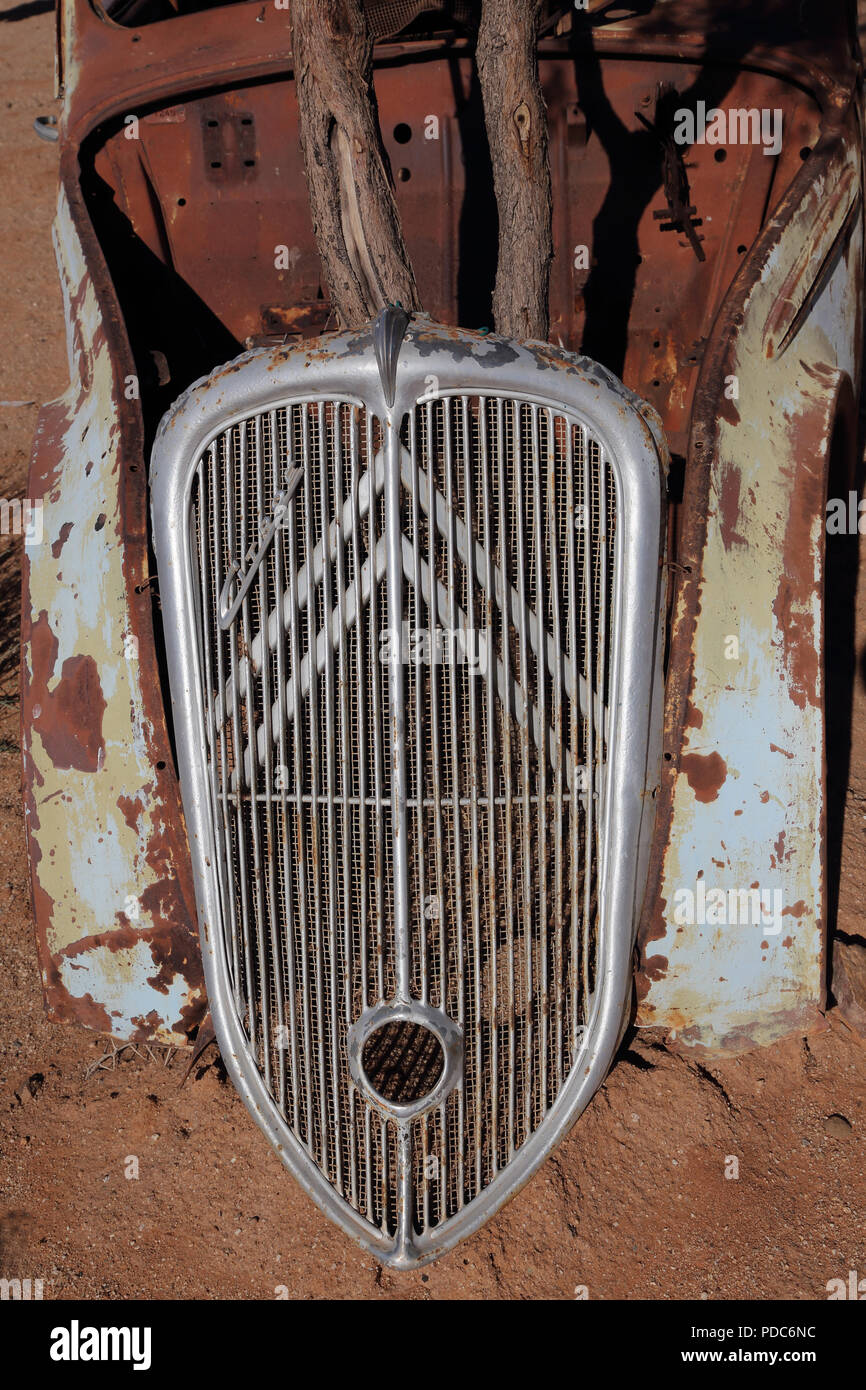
741,797
110,881
610,283
744,805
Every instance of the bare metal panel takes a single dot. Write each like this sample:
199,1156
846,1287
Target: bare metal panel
412,616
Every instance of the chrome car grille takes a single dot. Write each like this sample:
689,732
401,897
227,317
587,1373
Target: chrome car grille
404,629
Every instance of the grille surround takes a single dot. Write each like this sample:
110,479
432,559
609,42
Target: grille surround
345,367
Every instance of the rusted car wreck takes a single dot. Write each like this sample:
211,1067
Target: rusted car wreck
423,897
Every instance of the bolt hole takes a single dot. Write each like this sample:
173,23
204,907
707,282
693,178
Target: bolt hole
402,133
212,124
216,164
402,1061
246,120
720,156
657,342
404,175
805,152
656,382
249,163
181,202
741,250
160,766
668,757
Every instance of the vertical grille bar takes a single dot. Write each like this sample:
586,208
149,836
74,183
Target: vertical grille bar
604,585
588,590
421,613
377,716
397,716
275,1003
458,955
328,463
490,777
364,1180
553,516
314,846
360,730
299,837
345,1092
434,755
216,722
539,514
227,489
419,730
247,507
292,1096
519,499
578,769
469,657
504,536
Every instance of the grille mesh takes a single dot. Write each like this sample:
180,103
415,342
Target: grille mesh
508,517
388,17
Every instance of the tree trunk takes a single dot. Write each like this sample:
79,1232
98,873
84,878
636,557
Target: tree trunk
355,216
516,120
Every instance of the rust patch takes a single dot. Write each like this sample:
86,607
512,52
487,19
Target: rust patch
792,607
174,950
654,968
82,1009
131,809
728,410
729,508
797,910
694,718
120,938
801,651
805,1018
821,372
58,545
706,773
68,718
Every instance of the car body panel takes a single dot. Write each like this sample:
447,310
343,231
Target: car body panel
784,256
117,944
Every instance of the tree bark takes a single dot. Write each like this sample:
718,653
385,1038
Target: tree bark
355,217
516,120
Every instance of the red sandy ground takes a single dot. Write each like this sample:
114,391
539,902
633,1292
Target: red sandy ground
634,1204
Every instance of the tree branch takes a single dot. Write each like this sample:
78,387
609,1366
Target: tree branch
516,120
355,217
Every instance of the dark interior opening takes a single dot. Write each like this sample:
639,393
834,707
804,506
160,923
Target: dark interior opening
403,1061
